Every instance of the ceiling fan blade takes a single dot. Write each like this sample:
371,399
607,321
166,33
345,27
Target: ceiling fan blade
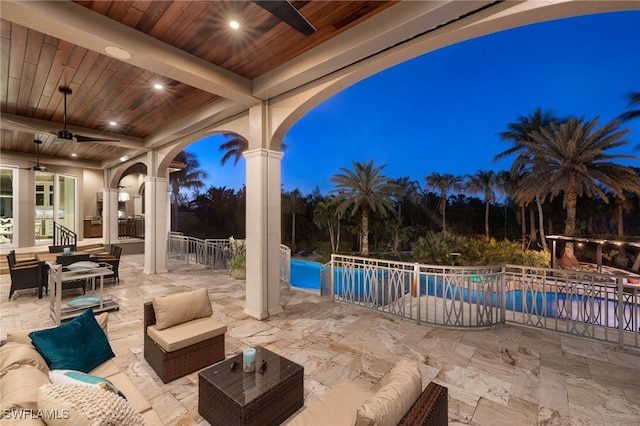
80,138
28,126
288,14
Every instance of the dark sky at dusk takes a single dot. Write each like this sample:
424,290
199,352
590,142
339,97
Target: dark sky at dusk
441,112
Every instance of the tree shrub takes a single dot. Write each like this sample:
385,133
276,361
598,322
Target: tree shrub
440,249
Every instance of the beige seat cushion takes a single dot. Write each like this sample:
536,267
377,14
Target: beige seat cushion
13,355
186,334
109,370
131,392
151,418
390,403
106,369
181,308
338,406
19,388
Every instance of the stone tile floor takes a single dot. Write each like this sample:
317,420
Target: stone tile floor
506,375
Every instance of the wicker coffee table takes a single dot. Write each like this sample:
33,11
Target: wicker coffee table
233,397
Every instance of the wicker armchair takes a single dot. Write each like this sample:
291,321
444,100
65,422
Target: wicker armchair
170,365
431,408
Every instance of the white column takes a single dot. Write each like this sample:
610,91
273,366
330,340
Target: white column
155,225
263,233
110,216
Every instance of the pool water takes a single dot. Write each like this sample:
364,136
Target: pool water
305,274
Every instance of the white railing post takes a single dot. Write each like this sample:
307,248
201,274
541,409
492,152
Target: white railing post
620,303
415,289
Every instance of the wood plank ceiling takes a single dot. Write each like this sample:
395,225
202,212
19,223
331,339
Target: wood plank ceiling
33,65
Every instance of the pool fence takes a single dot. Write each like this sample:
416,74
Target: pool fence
603,307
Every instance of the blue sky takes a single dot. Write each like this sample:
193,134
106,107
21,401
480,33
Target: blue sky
441,112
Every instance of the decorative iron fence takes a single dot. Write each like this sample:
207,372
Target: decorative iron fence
591,305
214,253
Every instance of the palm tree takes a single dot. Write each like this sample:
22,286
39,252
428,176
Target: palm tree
294,204
485,183
443,183
190,176
517,133
363,189
570,158
326,216
235,146
406,190
634,100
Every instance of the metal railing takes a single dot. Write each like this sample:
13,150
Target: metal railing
285,264
591,305
131,228
63,236
214,253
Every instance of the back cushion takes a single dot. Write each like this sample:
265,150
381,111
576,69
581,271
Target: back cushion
389,405
22,336
182,307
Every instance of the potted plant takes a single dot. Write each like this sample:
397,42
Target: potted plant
237,261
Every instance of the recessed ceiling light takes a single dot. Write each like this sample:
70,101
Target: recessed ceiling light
158,86
123,159
113,123
74,155
116,52
234,24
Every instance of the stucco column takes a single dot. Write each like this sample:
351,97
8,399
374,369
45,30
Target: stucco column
263,233
155,225
110,216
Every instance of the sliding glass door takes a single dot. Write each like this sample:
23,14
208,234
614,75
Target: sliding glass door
55,201
7,179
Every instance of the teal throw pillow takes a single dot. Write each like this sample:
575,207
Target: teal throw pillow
79,344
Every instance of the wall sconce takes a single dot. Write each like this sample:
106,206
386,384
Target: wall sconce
123,196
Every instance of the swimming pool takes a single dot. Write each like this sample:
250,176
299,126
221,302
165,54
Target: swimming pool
305,274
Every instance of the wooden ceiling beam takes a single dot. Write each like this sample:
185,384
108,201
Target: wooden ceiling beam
78,25
37,127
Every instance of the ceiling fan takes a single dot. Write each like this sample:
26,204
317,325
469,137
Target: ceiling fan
38,167
66,134
288,14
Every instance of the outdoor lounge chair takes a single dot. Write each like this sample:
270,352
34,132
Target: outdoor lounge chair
180,336
25,276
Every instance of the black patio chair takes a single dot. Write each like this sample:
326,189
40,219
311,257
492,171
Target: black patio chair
25,276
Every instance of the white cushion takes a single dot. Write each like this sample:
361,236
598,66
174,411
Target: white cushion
82,406
73,377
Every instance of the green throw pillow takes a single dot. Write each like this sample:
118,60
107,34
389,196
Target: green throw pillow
79,344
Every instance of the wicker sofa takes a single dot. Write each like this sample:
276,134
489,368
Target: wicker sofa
400,401
180,336
25,372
